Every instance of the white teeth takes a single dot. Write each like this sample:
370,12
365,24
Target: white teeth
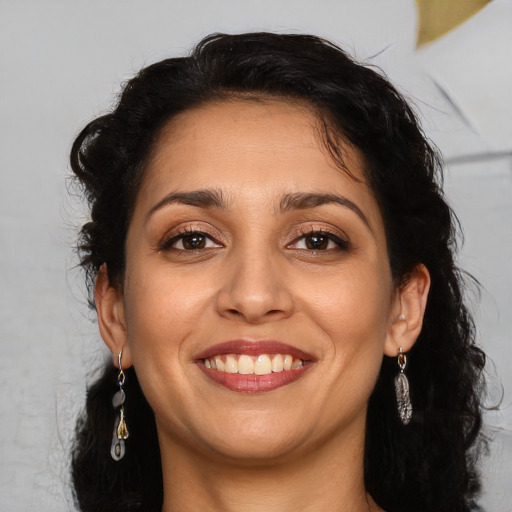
262,364
245,365
231,365
277,363
219,363
297,363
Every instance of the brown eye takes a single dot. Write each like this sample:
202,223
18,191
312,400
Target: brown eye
317,242
194,241
320,241
191,241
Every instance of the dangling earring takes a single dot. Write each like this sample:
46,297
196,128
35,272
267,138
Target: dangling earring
117,449
403,398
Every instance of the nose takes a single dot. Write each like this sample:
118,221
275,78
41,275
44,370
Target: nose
255,289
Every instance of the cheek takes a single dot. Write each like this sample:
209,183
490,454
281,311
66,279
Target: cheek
161,312
161,305
353,304
352,312
164,310
160,316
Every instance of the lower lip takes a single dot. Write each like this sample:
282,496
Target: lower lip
254,383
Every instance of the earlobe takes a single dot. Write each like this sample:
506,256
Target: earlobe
111,317
409,310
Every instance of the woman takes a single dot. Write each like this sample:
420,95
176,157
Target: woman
272,262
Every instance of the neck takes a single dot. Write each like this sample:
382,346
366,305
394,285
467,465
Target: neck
328,478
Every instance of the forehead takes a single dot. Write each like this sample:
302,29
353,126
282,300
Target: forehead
262,146
253,128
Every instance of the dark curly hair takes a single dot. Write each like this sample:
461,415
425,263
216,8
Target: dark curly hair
428,465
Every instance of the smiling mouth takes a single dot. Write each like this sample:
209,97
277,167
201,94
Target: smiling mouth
254,366
262,364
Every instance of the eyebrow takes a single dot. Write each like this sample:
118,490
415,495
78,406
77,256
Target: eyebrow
213,198
304,201
207,198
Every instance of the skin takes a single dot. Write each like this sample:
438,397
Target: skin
299,447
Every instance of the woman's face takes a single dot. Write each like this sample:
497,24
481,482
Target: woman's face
249,249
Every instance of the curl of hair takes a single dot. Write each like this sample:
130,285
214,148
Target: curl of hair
429,465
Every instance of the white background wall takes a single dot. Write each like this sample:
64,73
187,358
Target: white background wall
61,62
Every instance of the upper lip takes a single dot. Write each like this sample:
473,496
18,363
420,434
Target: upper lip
253,348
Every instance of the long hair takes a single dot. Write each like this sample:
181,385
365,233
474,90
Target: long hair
428,465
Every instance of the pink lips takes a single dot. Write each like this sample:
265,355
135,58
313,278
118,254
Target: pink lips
254,383
253,348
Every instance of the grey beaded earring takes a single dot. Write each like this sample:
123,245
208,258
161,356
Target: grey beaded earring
403,398
120,434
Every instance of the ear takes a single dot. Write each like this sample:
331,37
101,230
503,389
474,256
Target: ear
111,317
408,311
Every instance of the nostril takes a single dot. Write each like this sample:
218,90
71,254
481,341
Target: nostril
269,315
242,302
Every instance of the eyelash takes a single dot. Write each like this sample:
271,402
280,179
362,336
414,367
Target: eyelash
342,243
181,234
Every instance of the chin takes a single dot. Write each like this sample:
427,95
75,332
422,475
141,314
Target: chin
258,450
249,438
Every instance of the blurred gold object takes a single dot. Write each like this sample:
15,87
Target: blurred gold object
122,429
437,17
